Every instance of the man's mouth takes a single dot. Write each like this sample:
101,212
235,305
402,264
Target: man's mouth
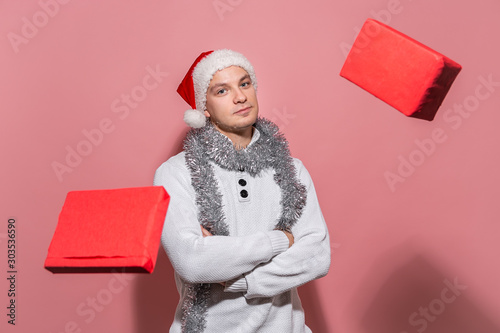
243,110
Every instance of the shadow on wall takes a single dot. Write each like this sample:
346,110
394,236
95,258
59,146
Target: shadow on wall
156,297
417,297
178,146
315,316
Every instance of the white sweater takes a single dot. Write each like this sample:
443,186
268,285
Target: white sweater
260,272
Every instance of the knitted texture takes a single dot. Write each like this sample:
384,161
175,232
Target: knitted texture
270,151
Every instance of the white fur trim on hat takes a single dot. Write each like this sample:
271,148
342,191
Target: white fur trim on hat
195,118
208,66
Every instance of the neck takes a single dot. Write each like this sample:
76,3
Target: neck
240,138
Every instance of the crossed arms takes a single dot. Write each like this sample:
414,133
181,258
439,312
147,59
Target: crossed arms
261,264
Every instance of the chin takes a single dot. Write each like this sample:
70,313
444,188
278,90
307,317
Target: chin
250,120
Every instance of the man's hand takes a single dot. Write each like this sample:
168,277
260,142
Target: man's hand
290,238
205,232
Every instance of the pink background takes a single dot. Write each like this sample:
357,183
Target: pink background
394,247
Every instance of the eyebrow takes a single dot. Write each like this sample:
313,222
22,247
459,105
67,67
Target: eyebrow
244,77
222,84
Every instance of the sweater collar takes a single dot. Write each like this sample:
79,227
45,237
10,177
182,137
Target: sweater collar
260,153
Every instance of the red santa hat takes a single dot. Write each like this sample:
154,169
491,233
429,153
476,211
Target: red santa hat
193,88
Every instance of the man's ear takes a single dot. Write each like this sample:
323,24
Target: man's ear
207,114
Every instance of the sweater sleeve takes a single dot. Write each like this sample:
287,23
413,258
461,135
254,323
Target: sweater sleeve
212,259
307,259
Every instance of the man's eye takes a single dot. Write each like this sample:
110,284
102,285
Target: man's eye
221,91
245,84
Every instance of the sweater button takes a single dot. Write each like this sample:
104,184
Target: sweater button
241,169
244,193
242,182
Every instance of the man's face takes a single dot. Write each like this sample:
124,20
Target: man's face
231,100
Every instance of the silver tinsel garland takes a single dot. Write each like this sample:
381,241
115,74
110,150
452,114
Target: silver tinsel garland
207,144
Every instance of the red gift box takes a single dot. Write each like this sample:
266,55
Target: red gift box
402,72
107,230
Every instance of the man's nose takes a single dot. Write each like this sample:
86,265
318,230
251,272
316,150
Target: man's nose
239,96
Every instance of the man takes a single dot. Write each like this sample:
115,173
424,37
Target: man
244,228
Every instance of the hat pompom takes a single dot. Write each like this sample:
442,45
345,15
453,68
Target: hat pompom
195,118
